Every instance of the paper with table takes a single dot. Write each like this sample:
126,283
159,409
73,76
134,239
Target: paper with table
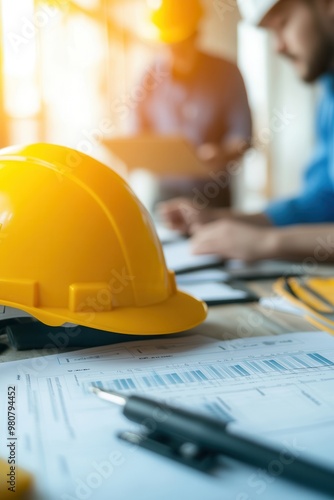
281,305
180,258
207,284
282,387
217,293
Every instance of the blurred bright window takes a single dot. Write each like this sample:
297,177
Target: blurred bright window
66,68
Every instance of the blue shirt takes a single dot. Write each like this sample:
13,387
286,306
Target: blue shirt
315,203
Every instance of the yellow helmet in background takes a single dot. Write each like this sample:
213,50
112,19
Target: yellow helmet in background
77,246
175,20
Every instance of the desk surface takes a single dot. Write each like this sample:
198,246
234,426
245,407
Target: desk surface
224,322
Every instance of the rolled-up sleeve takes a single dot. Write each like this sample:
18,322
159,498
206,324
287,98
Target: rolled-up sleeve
315,204
311,208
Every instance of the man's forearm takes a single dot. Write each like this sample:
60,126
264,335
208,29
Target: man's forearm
300,242
219,156
235,149
215,214
258,219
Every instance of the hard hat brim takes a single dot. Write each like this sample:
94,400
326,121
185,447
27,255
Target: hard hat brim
178,313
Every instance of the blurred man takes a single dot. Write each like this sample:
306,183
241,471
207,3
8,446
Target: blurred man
200,97
303,225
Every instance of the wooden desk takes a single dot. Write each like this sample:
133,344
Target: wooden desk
223,322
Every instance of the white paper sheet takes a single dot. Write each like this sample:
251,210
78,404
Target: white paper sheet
203,276
179,257
282,385
166,235
281,304
213,291
10,313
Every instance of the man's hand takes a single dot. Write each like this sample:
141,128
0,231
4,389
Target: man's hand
218,156
235,240
212,156
181,214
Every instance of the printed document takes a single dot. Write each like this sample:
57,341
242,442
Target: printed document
279,389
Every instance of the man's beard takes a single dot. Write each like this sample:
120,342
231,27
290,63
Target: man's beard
320,63
322,59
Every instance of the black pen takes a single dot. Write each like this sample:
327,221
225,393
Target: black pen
205,434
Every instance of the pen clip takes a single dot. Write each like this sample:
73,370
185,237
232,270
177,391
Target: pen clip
178,450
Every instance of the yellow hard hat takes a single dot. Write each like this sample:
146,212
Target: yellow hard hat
77,246
174,20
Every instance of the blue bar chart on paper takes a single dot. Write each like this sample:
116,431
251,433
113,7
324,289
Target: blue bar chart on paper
231,379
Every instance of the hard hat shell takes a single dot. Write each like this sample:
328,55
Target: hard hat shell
254,11
77,246
175,20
